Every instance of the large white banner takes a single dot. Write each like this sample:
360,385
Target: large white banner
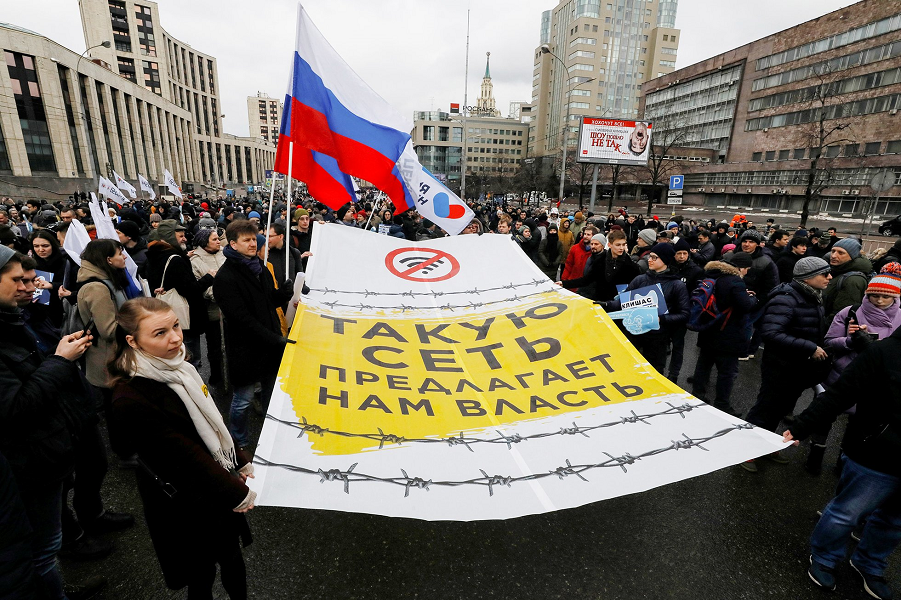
451,380
615,142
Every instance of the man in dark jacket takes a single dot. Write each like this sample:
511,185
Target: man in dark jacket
277,250
303,235
871,477
705,251
793,327
690,274
850,276
652,344
33,433
254,344
721,345
606,269
135,245
762,277
167,255
785,264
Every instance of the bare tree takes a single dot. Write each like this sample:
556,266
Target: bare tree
667,133
826,129
579,173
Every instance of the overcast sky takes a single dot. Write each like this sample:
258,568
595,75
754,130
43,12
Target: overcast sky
412,52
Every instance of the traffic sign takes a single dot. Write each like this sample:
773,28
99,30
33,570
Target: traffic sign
422,264
883,181
676,181
674,196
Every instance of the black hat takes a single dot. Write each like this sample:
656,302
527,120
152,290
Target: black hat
741,260
129,229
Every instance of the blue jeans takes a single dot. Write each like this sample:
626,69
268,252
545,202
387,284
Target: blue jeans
241,401
862,494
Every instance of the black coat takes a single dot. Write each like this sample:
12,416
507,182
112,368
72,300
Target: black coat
785,264
16,568
873,382
180,277
674,293
33,434
793,324
730,291
624,270
253,332
197,525
689,273
277,258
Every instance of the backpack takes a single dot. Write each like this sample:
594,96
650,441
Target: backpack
704,313
72,321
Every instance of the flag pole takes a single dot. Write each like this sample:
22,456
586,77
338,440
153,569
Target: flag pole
269,223
369,220
288,237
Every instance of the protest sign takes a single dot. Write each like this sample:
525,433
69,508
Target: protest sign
425,383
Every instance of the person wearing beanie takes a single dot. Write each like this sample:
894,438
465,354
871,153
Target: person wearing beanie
167,255
793,327
690,274
868,487
207,259
850,274
785,264
721,346
653,344
646,239
254,216
135,244
851,331
578,223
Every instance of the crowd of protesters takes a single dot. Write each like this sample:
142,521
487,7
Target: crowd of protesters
85,353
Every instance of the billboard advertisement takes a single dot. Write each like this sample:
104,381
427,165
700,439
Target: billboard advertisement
614,142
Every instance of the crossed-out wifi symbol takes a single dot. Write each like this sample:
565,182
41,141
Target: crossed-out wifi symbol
415,261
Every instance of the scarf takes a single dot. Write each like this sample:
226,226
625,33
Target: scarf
550,248
254,264
817,294
183,379
876,317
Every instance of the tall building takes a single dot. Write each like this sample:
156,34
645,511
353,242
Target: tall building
826,91
147,55
592,58
263,114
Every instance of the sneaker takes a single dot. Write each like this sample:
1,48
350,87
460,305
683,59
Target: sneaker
749,465
109,521
748,357
86,548
821,575
778,458
875,585
88,589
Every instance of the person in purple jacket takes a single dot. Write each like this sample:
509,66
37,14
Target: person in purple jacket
852,330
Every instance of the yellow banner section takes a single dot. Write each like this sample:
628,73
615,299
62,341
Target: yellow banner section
376,379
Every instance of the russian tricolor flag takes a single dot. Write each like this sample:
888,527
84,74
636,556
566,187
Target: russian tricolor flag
340,127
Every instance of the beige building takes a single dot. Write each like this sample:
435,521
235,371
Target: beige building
592,59
263,116
65,120
145,54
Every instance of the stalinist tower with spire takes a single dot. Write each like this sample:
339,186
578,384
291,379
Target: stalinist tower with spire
485,104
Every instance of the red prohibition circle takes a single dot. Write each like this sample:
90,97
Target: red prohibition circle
434,256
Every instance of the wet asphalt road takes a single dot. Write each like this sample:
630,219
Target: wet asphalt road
726,535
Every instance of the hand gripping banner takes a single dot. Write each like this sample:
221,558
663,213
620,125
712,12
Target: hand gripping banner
451,380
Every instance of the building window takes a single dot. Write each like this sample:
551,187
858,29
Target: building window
893,147
852,149
428,132
757,157
30,109
771,155
833,151
784,154
872,148
103,122
70,116
799,153
665,38
152,77
4,157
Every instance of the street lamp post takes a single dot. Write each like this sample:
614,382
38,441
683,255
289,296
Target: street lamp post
84,108
546,49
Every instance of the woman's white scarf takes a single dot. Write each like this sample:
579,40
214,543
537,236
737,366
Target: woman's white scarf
184,380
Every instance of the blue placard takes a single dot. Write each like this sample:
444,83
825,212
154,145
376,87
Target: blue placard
676,182
42,296
646,296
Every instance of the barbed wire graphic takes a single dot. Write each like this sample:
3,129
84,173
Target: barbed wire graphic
474,291
349,476
460,440
448,306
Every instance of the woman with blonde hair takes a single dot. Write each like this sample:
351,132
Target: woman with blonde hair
192,476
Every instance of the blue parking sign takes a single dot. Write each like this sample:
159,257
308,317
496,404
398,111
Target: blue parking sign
676,181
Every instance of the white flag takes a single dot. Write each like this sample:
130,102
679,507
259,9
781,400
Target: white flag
170,183
431,198
145,185
108,190
124,185
77,237
107,231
